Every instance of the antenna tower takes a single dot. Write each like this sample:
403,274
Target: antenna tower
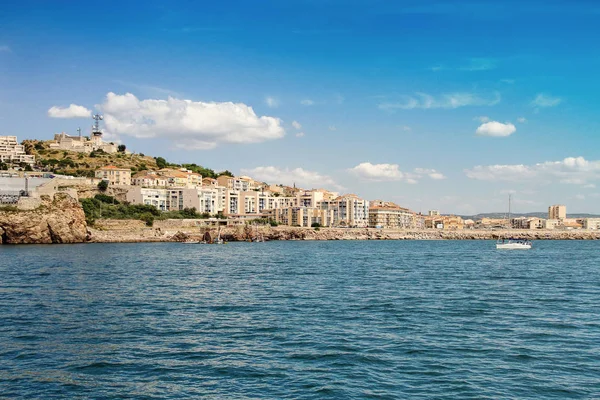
97,118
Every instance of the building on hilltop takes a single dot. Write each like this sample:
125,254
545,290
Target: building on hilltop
81,144
114,175
557,211
11,152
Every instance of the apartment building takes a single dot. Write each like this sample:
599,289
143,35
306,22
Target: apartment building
180,177
591,223
528,223
240,184
114,175
148,180
158,198
11,152
388,215
299,216
557,211
204,200
347,211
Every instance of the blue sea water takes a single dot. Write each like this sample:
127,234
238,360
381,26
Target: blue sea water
301,320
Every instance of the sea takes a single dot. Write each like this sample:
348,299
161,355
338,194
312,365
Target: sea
300,320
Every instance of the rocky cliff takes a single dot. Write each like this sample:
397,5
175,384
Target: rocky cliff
59,219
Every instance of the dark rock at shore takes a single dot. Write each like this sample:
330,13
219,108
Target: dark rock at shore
59,219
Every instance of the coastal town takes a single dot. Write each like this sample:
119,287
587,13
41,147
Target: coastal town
235,200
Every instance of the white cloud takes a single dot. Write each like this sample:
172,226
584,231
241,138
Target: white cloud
496,129
332,128
448,101
483,119
589,186
544,100
300,134
296,125
300,177
521,120
307,102
432,173
190,124
391,172
406,128
571,170
272,102
4,49
378,172
580,197
73,111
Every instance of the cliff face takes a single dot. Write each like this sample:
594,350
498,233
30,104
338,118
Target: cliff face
58,220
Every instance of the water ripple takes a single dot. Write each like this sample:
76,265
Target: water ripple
333,320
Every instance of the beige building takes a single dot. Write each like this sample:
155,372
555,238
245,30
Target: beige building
591,223
433,213
299,216
240,184
82,144
528,223
446,222
347,211
148,180
557,211
11,152
114,175
388,215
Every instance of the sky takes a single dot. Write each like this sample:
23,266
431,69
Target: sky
429,104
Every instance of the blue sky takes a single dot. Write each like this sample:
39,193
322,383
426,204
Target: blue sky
429,104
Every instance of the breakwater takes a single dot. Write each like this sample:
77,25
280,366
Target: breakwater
166,231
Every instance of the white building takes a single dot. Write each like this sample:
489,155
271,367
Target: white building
348,210
11,152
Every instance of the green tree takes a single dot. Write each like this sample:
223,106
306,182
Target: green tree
315,225
161,162
121,148
148,218
102,186
225,173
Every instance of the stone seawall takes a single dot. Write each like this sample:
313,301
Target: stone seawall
174,231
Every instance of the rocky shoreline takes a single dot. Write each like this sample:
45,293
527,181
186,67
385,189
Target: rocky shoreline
60,219
238,234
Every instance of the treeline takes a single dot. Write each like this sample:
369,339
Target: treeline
199,169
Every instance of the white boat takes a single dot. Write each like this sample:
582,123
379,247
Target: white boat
512,243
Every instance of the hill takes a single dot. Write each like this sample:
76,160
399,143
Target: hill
74,163
83,164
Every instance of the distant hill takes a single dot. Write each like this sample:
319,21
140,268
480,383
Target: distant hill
526,215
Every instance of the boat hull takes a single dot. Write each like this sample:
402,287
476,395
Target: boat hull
513,246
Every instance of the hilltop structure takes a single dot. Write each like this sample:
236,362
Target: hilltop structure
84,144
